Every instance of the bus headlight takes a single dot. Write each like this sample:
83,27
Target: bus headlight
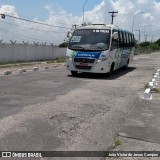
68,58
103,57
99,60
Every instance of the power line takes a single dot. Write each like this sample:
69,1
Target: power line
20,36
3,16
37,29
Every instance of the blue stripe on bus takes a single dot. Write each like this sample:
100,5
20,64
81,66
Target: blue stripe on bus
80,54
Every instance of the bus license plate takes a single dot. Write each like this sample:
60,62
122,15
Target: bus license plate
83,64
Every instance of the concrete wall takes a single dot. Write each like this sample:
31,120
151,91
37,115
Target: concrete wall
30,52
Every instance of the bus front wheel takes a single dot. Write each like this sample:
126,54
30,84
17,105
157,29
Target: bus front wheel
74,73
111,69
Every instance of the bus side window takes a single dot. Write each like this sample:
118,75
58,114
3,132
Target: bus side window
120,39
127,40
115,43
124,39
132,38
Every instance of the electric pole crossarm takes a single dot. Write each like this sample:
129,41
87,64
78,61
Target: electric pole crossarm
112,15
74,26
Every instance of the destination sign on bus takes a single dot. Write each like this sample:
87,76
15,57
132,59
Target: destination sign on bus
90,31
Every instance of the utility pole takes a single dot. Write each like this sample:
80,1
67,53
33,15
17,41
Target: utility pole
83,9
145,37
112,15
139,36
152,40
139,12
74,26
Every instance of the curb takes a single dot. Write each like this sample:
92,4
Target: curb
46,67
35,68
147,93
23,70
152,85
8,72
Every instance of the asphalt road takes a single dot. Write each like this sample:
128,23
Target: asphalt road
51,110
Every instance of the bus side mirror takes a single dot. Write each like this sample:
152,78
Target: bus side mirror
3,16
69,34
115,36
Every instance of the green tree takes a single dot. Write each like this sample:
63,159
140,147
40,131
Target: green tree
63,45
158,42
144,44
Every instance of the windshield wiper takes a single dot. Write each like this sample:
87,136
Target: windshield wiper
97,47
77,47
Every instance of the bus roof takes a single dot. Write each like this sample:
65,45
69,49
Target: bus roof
103,26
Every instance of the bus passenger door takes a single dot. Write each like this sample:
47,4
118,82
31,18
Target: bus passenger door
115,51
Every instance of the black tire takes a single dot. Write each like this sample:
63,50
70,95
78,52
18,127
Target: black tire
111,69
74,73
126,66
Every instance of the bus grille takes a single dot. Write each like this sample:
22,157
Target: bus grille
84,60
83,67
84,63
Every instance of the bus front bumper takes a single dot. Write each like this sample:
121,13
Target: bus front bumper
96,67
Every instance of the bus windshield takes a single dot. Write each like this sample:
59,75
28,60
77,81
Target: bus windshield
90,39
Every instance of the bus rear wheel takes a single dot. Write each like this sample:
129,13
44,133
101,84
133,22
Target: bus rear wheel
126,66
74,73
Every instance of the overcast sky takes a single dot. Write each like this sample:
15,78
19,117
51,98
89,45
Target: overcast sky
66,13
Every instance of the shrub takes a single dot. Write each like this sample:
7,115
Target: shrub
154,46
63,45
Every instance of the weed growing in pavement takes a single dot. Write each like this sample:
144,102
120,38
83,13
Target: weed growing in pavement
155,90
117,142
146,86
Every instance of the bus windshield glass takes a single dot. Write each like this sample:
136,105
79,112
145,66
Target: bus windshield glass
90,39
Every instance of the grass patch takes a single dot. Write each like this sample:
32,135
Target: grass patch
117,142
58,60
146,86
4,66
155,90
10,65
19,64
